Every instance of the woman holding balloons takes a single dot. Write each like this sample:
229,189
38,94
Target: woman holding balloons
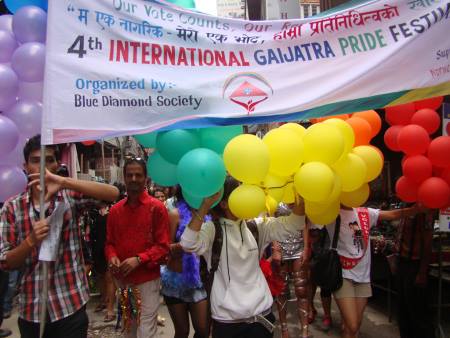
240,298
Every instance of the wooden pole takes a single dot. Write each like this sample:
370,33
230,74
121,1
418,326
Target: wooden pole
44,265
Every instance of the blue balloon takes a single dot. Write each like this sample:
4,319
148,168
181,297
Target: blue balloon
201,172
195,202
160,171
14,5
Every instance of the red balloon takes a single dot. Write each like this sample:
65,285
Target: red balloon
417,168
445,175
406,189
432,103
400,114
439,151
391,137
413,140
88,143
428,119
434,193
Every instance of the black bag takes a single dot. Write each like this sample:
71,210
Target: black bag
326,267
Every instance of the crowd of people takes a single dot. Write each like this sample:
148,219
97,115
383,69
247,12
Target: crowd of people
210,267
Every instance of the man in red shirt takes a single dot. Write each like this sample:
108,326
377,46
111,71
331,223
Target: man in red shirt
137,241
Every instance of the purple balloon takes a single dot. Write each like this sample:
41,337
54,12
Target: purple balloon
6,23
30,24
9,135
28,61
31,91
15,157
9,86
27,116
12,180
8,45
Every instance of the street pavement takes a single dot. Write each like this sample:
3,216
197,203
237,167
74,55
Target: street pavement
375,323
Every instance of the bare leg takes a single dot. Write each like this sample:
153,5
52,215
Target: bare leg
180,318
110,291
199,317
300,276
351,312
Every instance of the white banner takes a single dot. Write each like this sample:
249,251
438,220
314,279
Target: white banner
121,67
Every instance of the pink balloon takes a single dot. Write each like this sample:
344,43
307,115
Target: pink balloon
413,140
27,115
12,180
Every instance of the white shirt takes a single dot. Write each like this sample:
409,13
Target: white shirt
240,289
349,246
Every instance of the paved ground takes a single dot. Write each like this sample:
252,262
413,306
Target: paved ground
375,324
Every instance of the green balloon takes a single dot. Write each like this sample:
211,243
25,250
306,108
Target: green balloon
201,172
147,140
183,3
160,171
195,202
216,138
173,144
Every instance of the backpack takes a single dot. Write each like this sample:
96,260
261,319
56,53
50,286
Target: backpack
206,276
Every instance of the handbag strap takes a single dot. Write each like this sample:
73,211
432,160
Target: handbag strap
336,232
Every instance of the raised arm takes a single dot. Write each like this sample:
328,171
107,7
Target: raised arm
391,215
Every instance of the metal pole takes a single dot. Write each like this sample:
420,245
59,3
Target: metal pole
44,265
103,160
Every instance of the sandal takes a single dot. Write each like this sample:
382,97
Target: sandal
109,318
100,307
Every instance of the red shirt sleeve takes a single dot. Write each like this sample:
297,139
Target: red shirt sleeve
158,252
110,250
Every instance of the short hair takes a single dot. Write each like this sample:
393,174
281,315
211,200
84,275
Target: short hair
34,144
160,189
230,184
137,160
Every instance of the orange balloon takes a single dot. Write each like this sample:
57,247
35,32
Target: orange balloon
373,118
362,130
321,119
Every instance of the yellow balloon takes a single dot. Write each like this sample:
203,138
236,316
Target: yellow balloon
315,208
285,150
373,160
337,189
246,158
323,143
314,181
352,171
327,216
346,131
357,197
298,129
274,186
247,201
271,205
289,194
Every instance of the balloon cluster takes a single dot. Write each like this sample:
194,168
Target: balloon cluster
426,165
327,164
22,59
190,158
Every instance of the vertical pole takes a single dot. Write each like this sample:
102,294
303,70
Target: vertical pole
44,265
103,159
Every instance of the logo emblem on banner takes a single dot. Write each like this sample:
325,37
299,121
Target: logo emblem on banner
247,90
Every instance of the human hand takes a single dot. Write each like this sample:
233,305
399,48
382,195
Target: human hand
53,183
208,202
128,265
114,265
39,233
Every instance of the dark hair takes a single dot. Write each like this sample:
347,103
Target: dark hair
137,160
34,144
230,184
160,189
63,171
